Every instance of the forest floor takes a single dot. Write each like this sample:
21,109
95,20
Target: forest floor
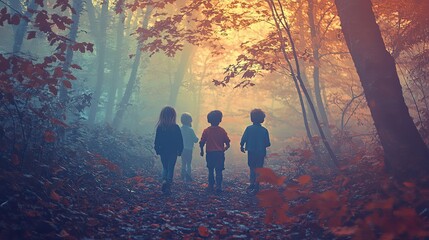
94,198
86,201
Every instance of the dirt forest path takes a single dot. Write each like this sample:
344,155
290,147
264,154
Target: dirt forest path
95,200
190,212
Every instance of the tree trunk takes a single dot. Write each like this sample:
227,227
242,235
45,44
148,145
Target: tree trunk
315,43
116,78
101,53
279,17
406,155
22,27
77,6
185,59
303,65
133,76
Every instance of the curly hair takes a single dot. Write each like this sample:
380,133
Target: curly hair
257,115
186,119
214,117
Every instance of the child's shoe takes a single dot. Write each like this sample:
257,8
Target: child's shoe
210,188
166,188
218,191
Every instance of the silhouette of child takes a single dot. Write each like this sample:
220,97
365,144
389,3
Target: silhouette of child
168,144
217,142
255,140
189,138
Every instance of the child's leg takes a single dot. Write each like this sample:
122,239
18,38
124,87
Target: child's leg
170,168
252,176
219,178
220,166
187,157
164,162
211,178
183,173
189,165
259,163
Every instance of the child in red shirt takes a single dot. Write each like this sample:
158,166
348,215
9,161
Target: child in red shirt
217,142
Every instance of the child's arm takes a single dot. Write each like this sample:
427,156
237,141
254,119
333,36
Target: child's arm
202,148
157,142
227,145
195,136
203,142
179,141
243,141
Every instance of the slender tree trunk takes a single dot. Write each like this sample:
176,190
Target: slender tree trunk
77,6
185,60
101,53
16,5
280,19
315,43
133,76
116,78
303,65
22,27
406,155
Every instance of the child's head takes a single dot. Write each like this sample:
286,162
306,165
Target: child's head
167,116
214,117
257,115
186,119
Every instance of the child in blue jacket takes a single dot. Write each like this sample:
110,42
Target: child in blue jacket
255,141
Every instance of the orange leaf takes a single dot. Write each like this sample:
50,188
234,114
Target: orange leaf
203,231
55,196
344,231
409,184
223,231
304,179
92,222
32,213
15,159
267,175
405,212
49,136
67,84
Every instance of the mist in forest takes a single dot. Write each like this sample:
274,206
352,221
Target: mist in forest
343,85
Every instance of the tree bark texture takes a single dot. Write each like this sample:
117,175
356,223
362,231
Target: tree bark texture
133,76
77,6
315,43
406,155
116,78
101,53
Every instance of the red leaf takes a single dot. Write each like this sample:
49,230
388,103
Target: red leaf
40,2
409,184
344,231
15,19
304,179
31,34
15,159
53,90
58,72
71,77
75,66
50,136
55,196
203,231
267,175
59,122
67,84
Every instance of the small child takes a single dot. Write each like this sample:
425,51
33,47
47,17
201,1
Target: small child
217,142
168,144
189,138
255,140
